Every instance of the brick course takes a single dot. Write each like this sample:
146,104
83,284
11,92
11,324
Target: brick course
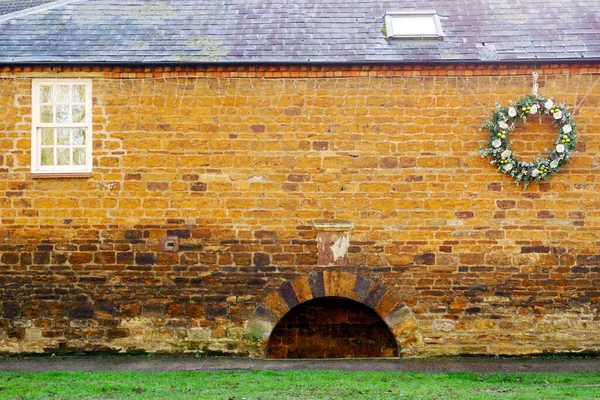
240,161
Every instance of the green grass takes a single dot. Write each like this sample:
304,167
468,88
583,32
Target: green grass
296,385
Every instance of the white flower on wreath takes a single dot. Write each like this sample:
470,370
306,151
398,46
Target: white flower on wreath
508,167
557,115
497,143
502,125
567,128
535,172
534,109
554,164
512,112
506,153
548,104
560,148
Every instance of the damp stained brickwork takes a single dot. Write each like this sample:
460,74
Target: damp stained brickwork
238,162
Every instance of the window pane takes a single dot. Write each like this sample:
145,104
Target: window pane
48,156
62,117
414,25
79,156
78,94
46,114
63,136
62,113
63,156
78,137
78,113
62,94
47,136
46,94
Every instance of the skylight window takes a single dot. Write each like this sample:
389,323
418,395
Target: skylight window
423,24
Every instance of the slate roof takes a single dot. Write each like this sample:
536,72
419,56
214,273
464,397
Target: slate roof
298,31
11,6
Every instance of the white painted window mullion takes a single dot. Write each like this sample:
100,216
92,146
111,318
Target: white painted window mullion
36,133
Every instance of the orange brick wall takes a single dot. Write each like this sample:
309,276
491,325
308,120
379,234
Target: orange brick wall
240,161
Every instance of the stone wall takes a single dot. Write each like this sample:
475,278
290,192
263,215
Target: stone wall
240,162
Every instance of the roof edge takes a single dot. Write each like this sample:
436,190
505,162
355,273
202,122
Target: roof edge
36,9
475,61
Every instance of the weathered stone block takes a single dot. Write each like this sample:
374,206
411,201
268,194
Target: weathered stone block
80,311
145,258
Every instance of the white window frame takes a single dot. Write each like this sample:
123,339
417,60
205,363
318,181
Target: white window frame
38,170
389,15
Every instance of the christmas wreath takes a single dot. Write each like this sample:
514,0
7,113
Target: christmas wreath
503,122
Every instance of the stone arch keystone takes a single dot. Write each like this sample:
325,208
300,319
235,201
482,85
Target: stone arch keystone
317,284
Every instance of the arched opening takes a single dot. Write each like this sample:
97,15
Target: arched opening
331,327
353,288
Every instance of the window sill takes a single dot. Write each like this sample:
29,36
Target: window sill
60,175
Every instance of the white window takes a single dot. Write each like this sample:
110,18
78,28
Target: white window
61,128
423,24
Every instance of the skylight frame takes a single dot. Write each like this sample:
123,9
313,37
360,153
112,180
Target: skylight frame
389,15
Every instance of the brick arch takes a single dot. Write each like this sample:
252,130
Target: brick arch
318,284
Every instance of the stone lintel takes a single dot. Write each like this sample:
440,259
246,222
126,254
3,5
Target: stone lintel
333,226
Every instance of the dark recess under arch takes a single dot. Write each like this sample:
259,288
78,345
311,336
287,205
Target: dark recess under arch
331,327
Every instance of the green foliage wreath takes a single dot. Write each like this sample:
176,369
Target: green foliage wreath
503,122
